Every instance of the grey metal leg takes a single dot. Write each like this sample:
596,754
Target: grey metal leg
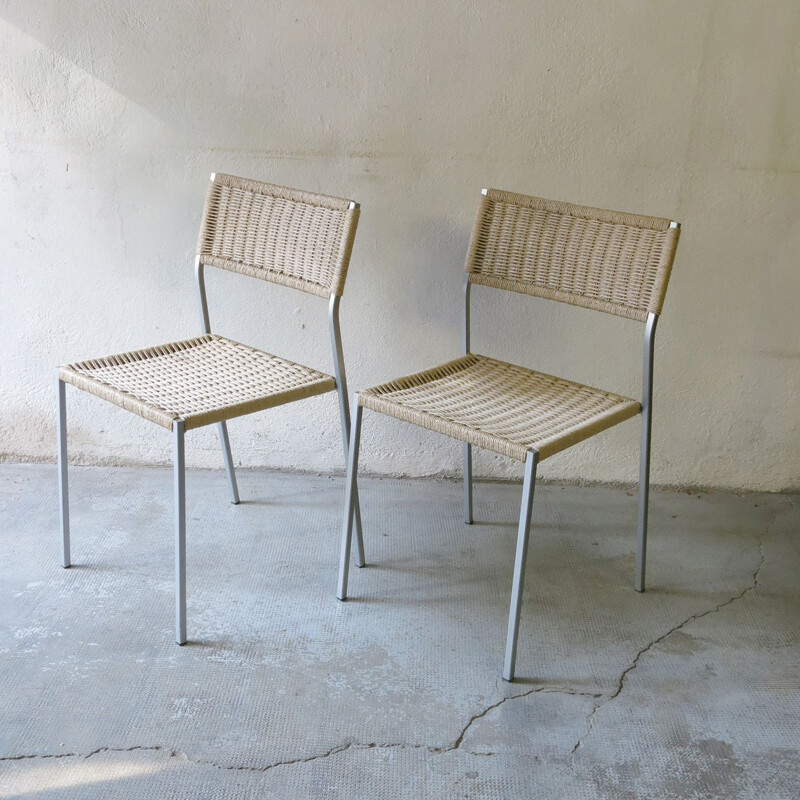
180,533
644,458
344,411
349,500
360,557
226,453
467,483
523,535
467,448
346,432
63,486
644,502
199,271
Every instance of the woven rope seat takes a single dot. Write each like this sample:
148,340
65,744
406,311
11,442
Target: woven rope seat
297,239
203,380
609,261
499,406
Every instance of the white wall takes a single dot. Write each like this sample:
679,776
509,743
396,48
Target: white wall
114,113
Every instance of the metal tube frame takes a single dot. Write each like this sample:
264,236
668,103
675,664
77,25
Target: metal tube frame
179,483
63,482
222,427
341,387
467,448
523,535
344,411
179,459
644,457
526,509
350,500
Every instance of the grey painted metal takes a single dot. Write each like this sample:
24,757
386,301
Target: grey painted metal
225,443
467,448
63,484
222,427
349,500
644,457
344,411
523,535
467,461
179,475
199,274
465,331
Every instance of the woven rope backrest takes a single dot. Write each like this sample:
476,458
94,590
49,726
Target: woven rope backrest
286,236
606,260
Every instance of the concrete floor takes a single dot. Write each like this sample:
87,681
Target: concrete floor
688,691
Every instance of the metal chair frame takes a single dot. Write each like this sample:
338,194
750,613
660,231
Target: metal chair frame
179,463
528,487
644,456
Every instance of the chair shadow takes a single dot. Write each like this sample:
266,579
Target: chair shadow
578,688
200,644
479,523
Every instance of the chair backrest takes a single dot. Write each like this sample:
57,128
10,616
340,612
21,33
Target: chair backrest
286,236
606,260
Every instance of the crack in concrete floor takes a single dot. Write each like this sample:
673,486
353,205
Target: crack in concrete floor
457,743
340,748
693,618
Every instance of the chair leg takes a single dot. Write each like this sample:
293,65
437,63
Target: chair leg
644,503
225,441
346,426
523,535
360,557
63,485
179,468
467,449
351,494
344,412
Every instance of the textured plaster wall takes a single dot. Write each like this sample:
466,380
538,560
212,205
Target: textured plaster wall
114,113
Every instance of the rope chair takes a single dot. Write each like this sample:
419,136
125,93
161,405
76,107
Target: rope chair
609,261
293,238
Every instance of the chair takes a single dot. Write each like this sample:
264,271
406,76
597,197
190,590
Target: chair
613,262
294,238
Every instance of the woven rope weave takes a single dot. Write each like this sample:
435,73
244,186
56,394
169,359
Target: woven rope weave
606,260
202,380
295,238
500,407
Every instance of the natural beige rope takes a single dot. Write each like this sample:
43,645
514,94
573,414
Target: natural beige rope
202,380
606,260
286,236
499,406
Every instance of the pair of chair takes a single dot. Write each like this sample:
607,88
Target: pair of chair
608,261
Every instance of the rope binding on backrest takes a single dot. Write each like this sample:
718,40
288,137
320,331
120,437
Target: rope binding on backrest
286,236
606,260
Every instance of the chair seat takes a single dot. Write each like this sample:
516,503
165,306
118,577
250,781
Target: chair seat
500,407
204,380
